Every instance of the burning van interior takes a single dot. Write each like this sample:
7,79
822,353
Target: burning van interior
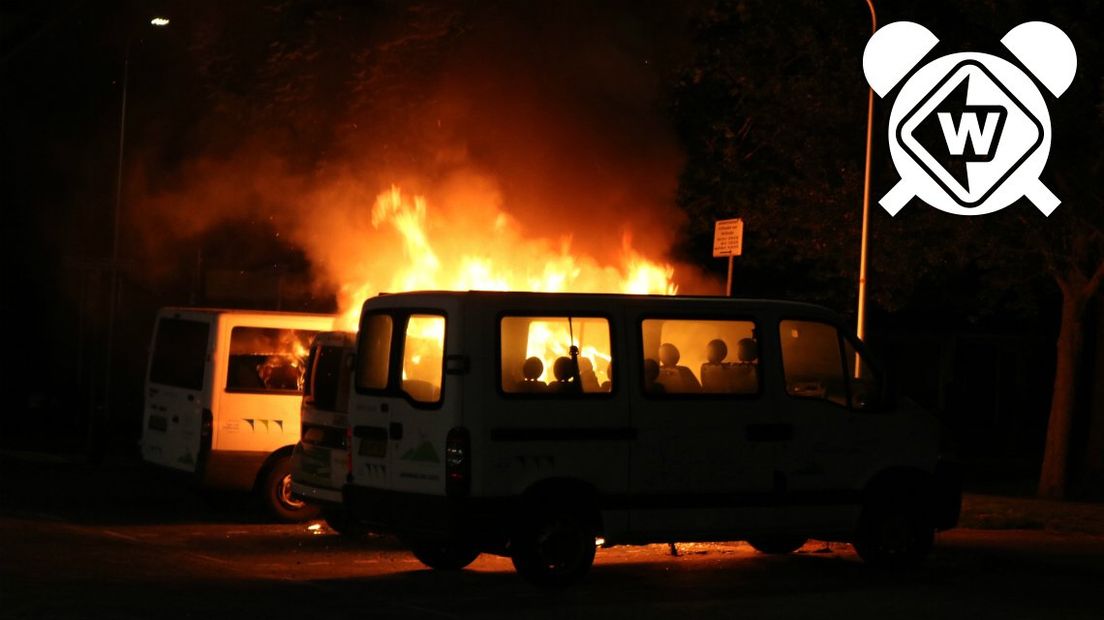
264,359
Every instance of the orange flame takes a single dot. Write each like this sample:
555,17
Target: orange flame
490,255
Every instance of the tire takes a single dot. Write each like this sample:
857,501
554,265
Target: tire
894,532
777,544
445,556
338,520
275,495
553,548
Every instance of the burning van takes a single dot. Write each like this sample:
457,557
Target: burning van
536,425
223,391
320,460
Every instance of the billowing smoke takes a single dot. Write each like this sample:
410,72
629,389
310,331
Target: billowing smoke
498,146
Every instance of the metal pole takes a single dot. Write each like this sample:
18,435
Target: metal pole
728,287
861,328
114,286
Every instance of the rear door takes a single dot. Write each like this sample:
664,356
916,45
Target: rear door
178,388
405,402
427,403
369,407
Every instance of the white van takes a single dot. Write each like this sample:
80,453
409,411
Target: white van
223,391
320,461
532,425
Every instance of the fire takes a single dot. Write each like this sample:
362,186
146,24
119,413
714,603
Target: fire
486,253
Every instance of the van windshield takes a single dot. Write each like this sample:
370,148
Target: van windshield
179,353
267,359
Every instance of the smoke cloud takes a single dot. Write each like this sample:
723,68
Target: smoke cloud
536,136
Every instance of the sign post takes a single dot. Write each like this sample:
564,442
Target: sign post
728,240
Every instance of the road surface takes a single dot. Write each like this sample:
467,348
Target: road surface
115,544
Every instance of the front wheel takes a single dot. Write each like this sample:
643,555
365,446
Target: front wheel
448,555
894,533
275,495
553,548
777,544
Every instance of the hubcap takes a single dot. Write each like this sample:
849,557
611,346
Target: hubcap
558,547
285,494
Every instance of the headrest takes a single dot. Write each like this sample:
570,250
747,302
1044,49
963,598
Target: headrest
716,351
669,354
747,350
562,368
532,368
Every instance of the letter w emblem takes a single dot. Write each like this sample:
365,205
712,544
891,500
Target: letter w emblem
983,135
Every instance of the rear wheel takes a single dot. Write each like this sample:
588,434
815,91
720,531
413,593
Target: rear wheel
777,544
447,555
894,532
553,548
275,494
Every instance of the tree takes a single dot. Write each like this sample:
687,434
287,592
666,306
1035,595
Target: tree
772,114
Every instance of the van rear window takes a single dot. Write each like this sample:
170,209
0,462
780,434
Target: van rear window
267,359
373,352
179,353
325,377
700,356
423,357
555,355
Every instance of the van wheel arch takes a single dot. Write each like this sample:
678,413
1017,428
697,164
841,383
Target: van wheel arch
563,492
271,492
897,480
554,530
896,527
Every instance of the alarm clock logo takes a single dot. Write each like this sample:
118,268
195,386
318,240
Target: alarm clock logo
969,133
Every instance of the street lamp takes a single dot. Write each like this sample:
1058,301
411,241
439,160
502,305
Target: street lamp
113,300
861,329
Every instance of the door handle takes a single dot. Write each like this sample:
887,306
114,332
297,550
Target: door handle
176,418
396,430
769,432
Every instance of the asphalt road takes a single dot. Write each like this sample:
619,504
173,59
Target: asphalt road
115,543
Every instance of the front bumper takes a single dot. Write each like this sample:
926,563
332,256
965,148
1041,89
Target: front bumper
315,495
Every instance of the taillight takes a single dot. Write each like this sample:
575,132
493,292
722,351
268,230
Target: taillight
349,453
458,462
206,425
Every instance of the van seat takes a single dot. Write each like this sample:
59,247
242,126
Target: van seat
678,380
716,378
421,391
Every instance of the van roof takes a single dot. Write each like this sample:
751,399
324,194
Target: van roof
175,309
392,299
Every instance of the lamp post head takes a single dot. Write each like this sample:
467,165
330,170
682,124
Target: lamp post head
160,22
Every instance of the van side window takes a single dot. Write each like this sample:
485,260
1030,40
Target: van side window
424,357
179,353
267,359
812,361
373,352
692,356
555,355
